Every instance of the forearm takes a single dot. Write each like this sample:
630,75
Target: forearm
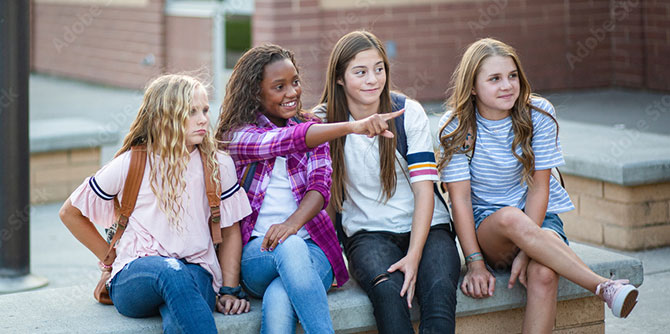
537,197
230,254
318,134
461,210
83,230
424,203
309,207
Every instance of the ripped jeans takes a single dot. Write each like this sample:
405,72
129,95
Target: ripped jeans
181,292
370,254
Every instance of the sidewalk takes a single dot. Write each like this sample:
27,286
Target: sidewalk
58,256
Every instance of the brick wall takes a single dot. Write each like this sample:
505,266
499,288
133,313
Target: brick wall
574,44
99,43
630,218
657,44
54,175
188,46
576,316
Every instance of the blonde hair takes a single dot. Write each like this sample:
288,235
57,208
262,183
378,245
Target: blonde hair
462,104
335,98
161,126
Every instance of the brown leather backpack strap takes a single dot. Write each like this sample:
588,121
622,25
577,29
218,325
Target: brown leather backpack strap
214,199
138,161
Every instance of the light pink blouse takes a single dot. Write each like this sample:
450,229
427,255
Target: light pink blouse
149,233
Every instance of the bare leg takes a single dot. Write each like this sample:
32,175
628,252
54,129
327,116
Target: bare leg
542,292
501,233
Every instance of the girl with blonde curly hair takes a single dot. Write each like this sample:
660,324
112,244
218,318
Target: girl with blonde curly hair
499,143
165,261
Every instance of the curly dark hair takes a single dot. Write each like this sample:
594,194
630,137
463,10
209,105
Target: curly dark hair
243,92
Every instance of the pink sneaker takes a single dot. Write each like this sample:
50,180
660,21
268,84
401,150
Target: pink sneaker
620,296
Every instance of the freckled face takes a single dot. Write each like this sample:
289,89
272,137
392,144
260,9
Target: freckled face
280,91
364,78
496,87
198,118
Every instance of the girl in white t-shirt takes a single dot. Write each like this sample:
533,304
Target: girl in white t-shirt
165,261
505,202
397,235
291,252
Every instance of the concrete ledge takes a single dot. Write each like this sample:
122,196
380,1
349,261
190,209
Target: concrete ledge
624,157
73,309
69,133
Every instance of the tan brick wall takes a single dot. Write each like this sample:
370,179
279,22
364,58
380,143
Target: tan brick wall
630,218
577,316
54,175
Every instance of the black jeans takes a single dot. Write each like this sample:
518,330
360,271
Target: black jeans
371,253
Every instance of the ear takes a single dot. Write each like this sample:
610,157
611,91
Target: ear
473,91
340,82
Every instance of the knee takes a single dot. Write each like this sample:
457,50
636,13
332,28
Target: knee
542,277
384,287
293,245
510,219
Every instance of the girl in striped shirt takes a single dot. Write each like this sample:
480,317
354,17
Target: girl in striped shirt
291,252
499,143
396,233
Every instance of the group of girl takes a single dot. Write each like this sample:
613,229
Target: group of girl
361,162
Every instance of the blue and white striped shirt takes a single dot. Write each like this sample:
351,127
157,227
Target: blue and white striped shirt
495,174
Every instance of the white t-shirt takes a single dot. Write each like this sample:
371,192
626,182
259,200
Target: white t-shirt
278,202
363,207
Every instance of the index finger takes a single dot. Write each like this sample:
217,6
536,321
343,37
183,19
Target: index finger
392,115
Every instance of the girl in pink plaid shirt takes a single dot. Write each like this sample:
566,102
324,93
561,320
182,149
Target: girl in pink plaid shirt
285,152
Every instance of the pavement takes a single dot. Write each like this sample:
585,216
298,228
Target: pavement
59,257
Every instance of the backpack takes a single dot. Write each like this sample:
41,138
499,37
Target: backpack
122,211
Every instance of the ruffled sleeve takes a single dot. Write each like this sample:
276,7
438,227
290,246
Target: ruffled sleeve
95,196
234,202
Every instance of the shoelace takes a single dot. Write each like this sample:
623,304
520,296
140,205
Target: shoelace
609,288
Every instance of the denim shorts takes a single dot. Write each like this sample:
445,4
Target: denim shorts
551,222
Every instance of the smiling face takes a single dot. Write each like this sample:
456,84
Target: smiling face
280,91
496,87
364,79
198,118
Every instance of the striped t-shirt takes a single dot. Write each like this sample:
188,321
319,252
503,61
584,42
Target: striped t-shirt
495,173
363,208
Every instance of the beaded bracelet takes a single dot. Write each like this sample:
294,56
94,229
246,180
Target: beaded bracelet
477,256
237,292
104,267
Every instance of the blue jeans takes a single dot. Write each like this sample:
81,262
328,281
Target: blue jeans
181,292
371,253
292,280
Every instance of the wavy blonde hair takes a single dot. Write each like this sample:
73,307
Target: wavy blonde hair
161,126
461,103
335,98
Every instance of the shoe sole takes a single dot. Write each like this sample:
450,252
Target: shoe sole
629,303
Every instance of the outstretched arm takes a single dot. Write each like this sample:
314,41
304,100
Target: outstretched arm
370,126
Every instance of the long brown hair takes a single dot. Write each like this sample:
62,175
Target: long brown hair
160,124
243,91
338,111
461,103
